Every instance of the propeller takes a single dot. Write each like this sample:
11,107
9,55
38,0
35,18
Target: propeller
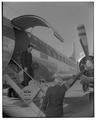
86,64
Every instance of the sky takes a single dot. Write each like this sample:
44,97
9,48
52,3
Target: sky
64,17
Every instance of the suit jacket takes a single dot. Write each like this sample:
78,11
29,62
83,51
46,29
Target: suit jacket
26,59
53,101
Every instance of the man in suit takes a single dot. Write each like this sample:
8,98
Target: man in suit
89,82
27,65
26,62
53,101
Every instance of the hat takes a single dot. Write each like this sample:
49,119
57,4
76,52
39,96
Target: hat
57,78
31,45
56,75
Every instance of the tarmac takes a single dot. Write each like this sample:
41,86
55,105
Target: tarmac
76,104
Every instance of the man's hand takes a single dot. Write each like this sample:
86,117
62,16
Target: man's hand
68,83
87,82
85,79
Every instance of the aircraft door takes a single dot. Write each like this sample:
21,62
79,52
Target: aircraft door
8,42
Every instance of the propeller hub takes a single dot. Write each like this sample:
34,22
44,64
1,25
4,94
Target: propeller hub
87,65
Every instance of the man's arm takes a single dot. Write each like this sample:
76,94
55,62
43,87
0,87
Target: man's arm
69,83
23,61
86,80
45,101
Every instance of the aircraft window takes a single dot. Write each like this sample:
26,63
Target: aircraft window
55,54
67,62
40,42
58,57
62,58
52,52
48,51
35,38
44,49
40,47
35,41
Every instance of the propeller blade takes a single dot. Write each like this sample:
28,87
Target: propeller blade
83,39
85,48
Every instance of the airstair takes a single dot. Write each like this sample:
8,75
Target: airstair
30,94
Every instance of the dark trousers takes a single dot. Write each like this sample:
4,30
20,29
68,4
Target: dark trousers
27,78
12,93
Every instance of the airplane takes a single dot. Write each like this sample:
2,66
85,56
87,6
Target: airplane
15,40
50,60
